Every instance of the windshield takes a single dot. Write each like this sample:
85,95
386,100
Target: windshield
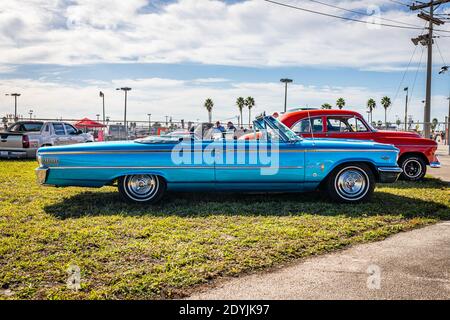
291,135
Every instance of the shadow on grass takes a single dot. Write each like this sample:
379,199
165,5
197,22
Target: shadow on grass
92,203
426,183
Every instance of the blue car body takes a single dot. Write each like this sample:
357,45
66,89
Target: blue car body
302,163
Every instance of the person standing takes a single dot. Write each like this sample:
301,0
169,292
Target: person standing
219,127
230,126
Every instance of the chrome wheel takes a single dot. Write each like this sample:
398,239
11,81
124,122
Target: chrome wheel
141,187
412,168
351,183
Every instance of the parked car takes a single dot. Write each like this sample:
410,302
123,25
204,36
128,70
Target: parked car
145,169
416,153
22,139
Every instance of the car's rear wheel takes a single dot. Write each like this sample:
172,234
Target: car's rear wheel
142,188
414,168
351,183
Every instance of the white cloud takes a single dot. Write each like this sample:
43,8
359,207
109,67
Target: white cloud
252,33
7,69
210,80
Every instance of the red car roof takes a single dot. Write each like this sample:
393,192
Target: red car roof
297,115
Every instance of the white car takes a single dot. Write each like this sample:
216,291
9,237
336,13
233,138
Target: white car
22,139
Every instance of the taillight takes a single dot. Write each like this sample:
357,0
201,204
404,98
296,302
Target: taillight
25,141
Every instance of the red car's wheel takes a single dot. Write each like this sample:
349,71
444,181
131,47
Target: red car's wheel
414,168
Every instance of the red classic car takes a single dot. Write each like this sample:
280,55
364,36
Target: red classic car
415,152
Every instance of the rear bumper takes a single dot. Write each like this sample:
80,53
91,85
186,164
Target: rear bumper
389,174
41,175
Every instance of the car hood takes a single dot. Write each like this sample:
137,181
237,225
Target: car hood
406,134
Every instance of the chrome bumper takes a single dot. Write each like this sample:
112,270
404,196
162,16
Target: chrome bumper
389,174
41,175
8,154
435,165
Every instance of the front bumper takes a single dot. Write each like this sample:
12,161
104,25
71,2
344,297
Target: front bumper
435,163
41,175
12,154
389,174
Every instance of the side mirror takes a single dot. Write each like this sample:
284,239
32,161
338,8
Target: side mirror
79,131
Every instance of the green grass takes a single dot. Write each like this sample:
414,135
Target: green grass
140,252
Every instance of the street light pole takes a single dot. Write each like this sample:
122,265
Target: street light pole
15,95
30,113
125,89
149,122
102,95
285,81
406,108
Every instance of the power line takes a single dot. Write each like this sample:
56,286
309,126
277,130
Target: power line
400,3
440,53
415,77
403,77
344,18
362,13
404,73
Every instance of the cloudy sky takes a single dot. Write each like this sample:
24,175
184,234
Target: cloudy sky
59,53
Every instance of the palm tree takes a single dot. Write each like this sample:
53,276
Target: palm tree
250,103
340,103
326,106
386,103
240,102
371,104
209,104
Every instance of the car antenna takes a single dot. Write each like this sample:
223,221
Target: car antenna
310,127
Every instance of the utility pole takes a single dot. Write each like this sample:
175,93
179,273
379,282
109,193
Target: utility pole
447,124
406,108
427,40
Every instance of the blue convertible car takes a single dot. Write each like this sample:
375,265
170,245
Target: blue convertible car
279,161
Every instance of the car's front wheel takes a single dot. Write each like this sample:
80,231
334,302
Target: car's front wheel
351,183
414,168
142,188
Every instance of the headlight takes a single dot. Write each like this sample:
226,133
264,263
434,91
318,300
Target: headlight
39,159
